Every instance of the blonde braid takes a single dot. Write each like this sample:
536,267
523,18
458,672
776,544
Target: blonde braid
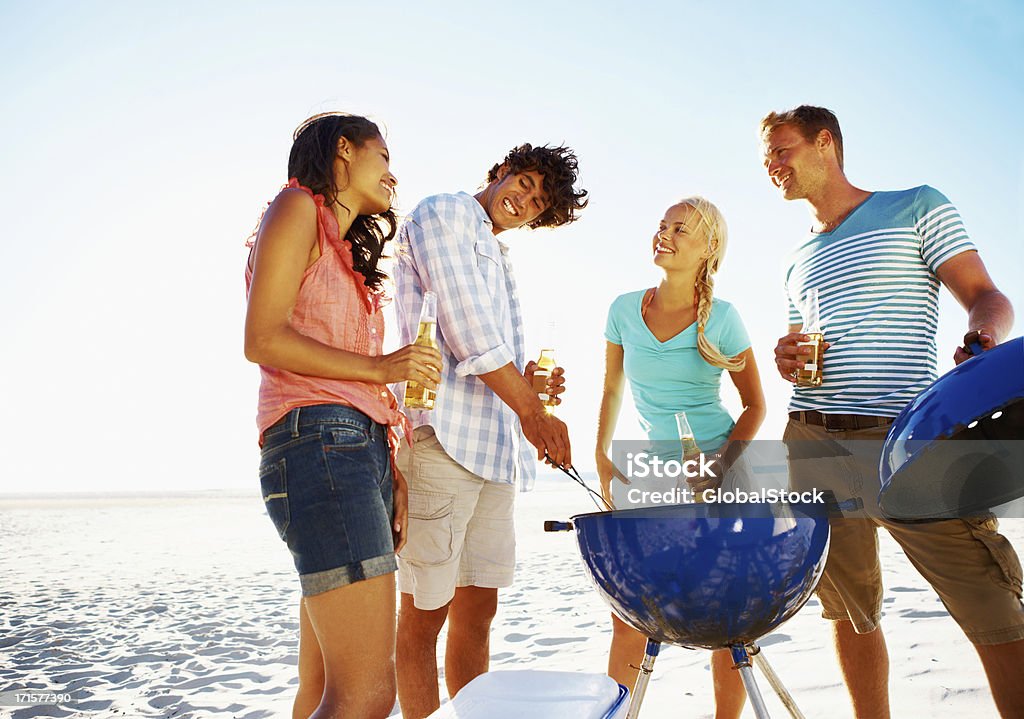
717,236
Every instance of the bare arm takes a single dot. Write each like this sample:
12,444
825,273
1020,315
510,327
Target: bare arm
611,397
611,404
544,431
748,384
989,312
286,238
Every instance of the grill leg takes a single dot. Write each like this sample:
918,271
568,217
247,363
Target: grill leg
758,659
643,678
742,662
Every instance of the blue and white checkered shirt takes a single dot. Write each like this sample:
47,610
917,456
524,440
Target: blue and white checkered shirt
446,244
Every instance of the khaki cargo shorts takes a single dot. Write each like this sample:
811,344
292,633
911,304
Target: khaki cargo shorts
974,569
461,528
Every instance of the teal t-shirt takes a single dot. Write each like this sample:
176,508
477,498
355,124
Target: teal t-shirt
666,377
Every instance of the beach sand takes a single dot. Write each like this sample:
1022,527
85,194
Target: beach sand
186,606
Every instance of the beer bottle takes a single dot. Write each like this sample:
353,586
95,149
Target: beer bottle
416,395
545,364
689,442
810,374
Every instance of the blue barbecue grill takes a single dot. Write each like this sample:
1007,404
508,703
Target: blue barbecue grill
693,575
958,448
706,575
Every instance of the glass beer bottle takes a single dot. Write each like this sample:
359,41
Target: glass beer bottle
416,395
810,374
545,364
689,442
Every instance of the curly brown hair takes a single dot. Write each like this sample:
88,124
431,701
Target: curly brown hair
559,167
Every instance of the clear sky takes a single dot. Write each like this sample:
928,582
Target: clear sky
140,142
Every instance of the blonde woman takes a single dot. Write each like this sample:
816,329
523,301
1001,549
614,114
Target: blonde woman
673,342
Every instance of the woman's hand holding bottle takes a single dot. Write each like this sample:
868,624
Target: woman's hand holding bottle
412,362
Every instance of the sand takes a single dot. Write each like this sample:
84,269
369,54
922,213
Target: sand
185,606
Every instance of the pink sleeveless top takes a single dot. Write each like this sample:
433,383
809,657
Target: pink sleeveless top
334,307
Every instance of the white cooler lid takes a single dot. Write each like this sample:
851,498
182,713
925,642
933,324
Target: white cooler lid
534,694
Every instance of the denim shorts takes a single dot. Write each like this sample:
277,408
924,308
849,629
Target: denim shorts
325,473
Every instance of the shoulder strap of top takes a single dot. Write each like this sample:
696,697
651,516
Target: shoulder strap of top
329,233
646,302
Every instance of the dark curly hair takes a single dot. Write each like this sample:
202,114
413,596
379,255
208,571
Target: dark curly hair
311,162
559,167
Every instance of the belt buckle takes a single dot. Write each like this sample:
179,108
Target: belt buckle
833,423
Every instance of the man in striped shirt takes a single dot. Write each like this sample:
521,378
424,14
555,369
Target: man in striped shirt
877,259
471,450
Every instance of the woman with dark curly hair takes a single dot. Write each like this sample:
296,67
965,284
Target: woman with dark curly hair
326,418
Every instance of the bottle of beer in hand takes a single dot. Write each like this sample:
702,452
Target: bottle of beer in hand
810,374
416,395
545,364
689,443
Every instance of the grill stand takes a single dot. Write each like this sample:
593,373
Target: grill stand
643,678
743,661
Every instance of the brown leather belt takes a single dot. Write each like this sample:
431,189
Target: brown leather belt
840,422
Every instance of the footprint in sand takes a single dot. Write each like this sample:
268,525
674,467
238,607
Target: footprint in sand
917,614
560,640
10,641
771,639
164,701
68,677
117,677
266,691
516,637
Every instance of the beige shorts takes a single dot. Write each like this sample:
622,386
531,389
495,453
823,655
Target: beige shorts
974,569
461,528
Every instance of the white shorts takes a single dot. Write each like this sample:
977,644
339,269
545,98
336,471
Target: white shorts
461,526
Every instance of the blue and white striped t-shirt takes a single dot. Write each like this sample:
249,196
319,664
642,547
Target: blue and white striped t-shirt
878,299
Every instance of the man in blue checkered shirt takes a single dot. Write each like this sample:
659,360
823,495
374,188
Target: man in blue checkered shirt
471,450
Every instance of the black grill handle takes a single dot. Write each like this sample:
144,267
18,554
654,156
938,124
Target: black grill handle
553,525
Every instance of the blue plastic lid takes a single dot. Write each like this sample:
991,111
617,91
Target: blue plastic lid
979,407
